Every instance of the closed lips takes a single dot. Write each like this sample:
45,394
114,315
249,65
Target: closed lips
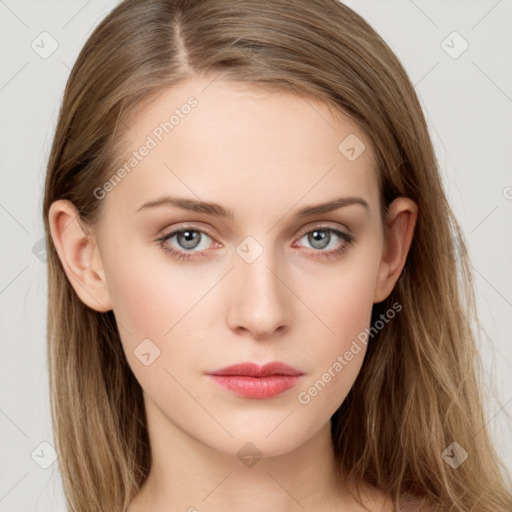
249,369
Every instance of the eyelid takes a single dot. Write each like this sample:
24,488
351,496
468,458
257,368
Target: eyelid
183,227
324,225
311,226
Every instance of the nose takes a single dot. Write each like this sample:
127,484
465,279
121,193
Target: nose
260,302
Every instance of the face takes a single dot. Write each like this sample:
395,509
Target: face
194,291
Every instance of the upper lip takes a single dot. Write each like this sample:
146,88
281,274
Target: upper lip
250,369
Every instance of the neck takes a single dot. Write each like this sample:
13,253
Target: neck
190,476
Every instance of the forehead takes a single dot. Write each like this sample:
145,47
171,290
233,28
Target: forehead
244,146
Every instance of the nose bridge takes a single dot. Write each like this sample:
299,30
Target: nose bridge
260,303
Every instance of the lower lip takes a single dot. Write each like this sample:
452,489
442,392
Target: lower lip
257,387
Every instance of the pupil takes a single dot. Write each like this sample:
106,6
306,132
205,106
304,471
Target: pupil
319,236
188,237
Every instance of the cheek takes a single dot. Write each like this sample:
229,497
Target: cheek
163,302
342,300
149,292
172,304
343,306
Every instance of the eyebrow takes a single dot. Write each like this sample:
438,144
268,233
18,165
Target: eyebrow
217,210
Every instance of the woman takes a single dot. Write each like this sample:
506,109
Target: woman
254,300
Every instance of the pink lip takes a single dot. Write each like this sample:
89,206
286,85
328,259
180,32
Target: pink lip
254,381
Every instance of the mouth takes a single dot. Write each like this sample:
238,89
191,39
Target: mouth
253,381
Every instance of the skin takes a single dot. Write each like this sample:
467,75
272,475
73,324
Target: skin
263,154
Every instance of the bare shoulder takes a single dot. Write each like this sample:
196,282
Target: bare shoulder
378,501
414,505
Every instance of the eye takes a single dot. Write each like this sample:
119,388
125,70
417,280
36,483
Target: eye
188,239
321,237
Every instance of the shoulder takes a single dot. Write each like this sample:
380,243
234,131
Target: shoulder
414,505
375,500
379,501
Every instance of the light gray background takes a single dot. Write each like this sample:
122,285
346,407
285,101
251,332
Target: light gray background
467,101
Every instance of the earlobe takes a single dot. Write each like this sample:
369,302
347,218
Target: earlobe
79,255
401,221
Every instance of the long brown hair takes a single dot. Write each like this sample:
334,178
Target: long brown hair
419,389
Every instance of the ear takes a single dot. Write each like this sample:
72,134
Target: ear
79,255
400,224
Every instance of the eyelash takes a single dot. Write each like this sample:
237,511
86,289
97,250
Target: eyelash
183,255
